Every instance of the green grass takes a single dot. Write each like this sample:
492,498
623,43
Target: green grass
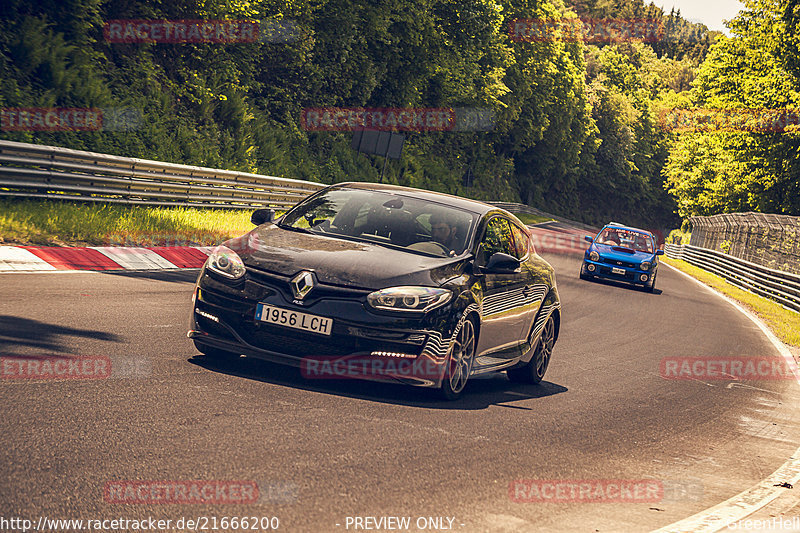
783,322
529,219
42,222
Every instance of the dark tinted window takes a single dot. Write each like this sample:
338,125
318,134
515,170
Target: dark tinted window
398,220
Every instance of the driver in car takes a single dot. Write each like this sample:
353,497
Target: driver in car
612,239
443,230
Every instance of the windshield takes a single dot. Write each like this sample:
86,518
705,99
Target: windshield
633,240
394,220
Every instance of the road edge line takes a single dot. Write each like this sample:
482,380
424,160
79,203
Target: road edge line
759,496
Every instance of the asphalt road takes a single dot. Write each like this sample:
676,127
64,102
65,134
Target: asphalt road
330,450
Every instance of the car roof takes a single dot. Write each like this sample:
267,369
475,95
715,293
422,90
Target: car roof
629,228
474,206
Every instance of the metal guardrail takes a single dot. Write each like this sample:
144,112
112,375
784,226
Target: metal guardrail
38,171
783,287
769,240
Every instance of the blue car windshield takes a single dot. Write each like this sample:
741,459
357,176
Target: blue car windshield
633,240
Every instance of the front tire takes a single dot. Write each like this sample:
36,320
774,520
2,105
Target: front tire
459,364
533,372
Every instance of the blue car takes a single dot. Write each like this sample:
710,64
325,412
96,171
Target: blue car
622,253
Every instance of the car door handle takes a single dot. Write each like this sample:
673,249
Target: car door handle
527,291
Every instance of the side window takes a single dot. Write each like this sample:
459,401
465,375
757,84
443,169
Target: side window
520,242
498,238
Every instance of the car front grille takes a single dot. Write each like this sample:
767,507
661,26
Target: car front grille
344,340
620,264
321,291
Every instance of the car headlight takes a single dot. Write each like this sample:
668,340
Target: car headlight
645,265
594,256
419,299
226,262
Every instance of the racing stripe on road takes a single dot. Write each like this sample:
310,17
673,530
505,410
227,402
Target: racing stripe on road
13,259
182,257
135,258
94,258
74,258
206,249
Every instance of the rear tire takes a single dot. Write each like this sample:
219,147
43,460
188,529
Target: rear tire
533,372
459,363
215,353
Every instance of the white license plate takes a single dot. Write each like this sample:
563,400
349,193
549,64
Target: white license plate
293,319
618,271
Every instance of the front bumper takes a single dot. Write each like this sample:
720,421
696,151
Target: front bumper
362,345
605,271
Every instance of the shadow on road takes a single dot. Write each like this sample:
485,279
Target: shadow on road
188,275
622,285
17,331
481,392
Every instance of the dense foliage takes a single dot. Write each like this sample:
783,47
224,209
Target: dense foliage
576,128
755,168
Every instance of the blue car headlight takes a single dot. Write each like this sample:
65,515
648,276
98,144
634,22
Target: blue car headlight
226,262
645,265
594,256
414,299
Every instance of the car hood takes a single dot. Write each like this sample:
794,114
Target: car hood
611,253
339,261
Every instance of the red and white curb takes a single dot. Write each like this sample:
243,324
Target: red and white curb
44,259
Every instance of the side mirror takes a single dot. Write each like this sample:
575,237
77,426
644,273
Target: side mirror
501,263
588,239
659,252
261,216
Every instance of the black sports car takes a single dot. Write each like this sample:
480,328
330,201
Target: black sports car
385,283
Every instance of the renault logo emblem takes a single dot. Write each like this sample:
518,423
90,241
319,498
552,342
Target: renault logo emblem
302,284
